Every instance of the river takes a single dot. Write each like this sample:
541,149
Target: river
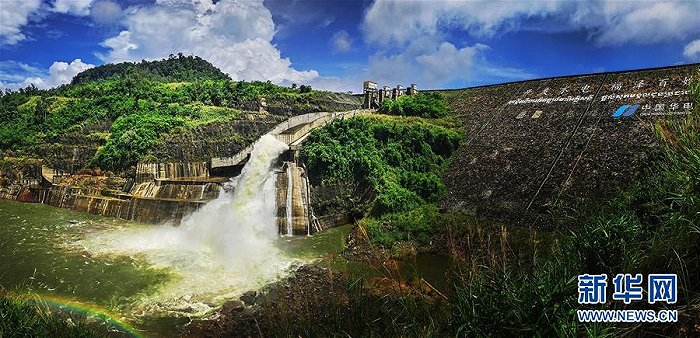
153,279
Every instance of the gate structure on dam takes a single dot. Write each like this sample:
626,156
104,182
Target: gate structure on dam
373,96
530,144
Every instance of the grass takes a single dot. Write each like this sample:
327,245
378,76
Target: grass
27,316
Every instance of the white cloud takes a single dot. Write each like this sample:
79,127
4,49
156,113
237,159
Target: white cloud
13,17
234,36
692,50
59,73
640,22
14,71
392,69
326,22
432,66
341,41
74,7
105,12
336,84
416,42
448,63
609,22
399,22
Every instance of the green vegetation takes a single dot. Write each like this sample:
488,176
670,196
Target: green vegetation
386,167
122,111
135,135
416,225
23,316
396,162
430,105
174,69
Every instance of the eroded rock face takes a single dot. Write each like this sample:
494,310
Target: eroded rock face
140,209
177,190
214,140
531,143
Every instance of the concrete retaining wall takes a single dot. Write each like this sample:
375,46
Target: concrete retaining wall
532,143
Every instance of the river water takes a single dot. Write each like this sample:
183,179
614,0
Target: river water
151,276
41,250
154,278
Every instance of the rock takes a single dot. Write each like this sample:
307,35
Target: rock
249,297
232,306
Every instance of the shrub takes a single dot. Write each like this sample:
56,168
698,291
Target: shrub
430,105
399,159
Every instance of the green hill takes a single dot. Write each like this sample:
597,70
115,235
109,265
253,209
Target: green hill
174,69
115,115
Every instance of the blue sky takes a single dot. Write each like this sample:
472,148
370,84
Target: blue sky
336,44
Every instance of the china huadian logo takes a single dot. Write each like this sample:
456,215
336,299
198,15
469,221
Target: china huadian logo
625,111
658,109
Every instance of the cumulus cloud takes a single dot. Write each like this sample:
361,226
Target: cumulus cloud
15,71
448,63
341,41
74,7
692,50
607,22
13,17
59,73
234,36
106,12
399,22
641,22
415,42
430,67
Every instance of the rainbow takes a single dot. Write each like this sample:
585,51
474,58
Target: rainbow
64,303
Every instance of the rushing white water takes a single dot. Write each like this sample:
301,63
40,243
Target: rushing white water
222,250
290,182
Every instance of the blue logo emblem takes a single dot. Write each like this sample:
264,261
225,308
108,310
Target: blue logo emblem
625,111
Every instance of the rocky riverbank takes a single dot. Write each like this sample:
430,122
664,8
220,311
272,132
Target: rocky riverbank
306,292
314,297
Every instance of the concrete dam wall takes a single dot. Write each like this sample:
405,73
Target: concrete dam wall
529,144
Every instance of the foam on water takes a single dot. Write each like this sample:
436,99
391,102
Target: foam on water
223,249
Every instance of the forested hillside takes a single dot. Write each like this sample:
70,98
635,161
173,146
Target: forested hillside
173,69
115,115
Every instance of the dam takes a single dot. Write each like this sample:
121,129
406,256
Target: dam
218,227
528,145
167,192
532,144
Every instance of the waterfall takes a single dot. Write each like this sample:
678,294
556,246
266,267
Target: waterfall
307,201
221,250
290,190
